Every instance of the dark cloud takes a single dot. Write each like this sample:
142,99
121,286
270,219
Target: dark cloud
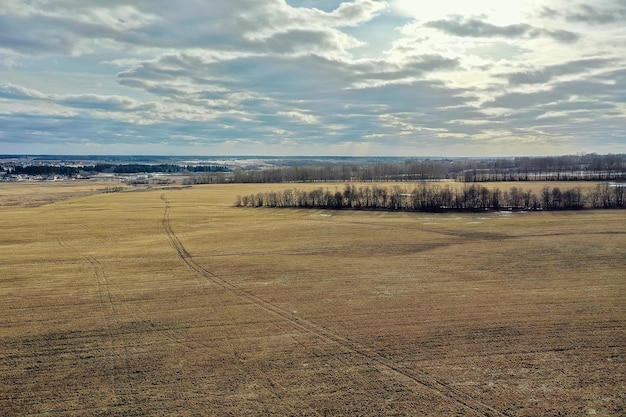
603,12
34,36
300,41
480,29
563,36
414,67
546,74
614,12
548,12
108,103
357,12
69,27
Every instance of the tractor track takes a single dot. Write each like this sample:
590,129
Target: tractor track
375,359
108,299
112,319
274,388
111,306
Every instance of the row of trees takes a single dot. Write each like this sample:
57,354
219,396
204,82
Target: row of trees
73,171
558,168
428,197
546,168
152,168
44,170
402,171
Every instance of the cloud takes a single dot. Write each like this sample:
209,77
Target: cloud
70,30
548,73
300,116
11,91
480,29
613,13
352,14
290,75
301,41
99,106
562,36
71,27
370,73
545,96
22,35
565,110
93,101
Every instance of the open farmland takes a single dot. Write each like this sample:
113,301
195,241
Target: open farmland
38,193
174,302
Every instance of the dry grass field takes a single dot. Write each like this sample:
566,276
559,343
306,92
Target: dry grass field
173,302
38,193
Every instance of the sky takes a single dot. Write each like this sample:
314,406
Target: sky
303,77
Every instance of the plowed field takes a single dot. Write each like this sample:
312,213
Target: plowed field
174,302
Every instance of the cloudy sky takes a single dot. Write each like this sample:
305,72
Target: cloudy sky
305,77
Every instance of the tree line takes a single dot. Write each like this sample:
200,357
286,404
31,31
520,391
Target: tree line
44,170
153,168
73,171
429,197
588,167
403,171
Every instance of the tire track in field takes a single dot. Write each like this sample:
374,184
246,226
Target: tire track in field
186,257
328,336
106,299
107,296
117,309
110,301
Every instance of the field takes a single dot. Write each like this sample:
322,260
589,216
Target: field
174,302
33,194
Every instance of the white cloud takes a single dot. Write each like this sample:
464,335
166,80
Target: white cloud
300,117
499,13
11,91
451,78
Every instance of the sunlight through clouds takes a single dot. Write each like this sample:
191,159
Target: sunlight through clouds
399,77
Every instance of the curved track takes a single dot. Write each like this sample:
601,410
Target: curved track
326,335
114,309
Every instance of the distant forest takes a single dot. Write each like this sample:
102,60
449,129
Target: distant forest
590,167
430,197
587,167
72,171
